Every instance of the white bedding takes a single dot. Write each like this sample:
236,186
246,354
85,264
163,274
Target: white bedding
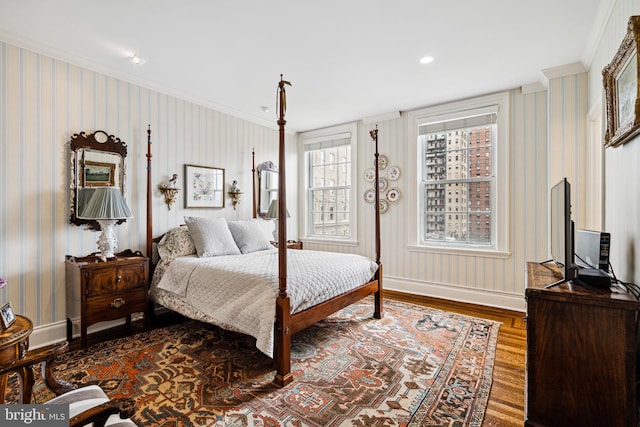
238,292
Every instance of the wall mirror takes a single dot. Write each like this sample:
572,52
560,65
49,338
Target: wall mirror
267,186
96,160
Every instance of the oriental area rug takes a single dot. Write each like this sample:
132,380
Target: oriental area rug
415,367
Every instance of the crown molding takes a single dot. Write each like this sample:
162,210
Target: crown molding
393,115
532,88
79,61
564,70
605,10
561,71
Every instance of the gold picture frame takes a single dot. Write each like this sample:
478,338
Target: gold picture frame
204,187
620,79
98,174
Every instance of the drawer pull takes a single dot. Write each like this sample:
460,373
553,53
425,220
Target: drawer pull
117,303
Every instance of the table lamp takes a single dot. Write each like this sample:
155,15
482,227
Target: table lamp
106,206
272,213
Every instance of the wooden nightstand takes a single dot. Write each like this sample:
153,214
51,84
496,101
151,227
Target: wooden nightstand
291,244
99,291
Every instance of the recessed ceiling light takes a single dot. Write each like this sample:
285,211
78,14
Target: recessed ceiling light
264,109
426,60
137,60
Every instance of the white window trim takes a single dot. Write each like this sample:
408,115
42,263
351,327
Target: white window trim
310,137
502,215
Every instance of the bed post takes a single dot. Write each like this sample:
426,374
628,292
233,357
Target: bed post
378,295
253,181
283,304
150,313
149,207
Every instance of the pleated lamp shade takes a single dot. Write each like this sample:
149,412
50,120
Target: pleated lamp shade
106,203
272,213
106,206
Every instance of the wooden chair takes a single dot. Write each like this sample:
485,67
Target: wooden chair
87,404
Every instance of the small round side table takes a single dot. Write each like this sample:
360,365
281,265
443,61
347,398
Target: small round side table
14,344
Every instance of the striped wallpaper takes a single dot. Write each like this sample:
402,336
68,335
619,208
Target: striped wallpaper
43,101
491,281
621,164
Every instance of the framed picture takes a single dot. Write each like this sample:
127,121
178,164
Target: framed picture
620,80
7,316
98,174
204,187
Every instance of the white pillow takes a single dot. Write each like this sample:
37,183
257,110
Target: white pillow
211,236
249,236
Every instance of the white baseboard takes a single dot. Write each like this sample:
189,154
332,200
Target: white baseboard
56,332
456,293
48,334
52,333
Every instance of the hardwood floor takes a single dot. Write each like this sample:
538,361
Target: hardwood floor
506,400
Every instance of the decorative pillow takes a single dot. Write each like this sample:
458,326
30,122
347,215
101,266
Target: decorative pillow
249,236
211,236
176,242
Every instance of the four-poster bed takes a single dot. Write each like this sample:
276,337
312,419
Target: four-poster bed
295,306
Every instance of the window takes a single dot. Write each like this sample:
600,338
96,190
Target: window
469,132
329,208
454,136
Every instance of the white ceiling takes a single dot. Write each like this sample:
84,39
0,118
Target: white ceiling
346,59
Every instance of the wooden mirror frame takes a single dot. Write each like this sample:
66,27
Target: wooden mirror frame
621,128
267,166
97,141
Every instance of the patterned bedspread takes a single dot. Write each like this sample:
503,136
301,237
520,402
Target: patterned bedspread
238,292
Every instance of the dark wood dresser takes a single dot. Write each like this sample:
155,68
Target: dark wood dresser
98,291
581,354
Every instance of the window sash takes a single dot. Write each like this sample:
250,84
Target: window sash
325,223
453,220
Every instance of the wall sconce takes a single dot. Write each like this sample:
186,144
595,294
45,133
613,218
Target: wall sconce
234,193
170,190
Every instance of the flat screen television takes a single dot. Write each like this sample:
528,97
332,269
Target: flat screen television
561,226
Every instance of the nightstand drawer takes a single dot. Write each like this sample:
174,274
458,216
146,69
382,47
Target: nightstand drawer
115,306
132,276
107,279
100,280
